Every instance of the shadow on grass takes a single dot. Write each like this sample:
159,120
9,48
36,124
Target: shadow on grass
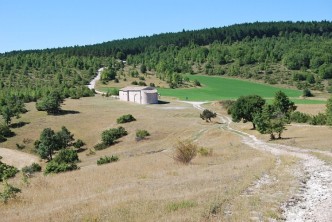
66,112
162,102
18,125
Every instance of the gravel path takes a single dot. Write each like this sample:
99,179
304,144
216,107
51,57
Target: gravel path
93,82
313,200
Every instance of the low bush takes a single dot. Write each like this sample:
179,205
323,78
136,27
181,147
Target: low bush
125,119
100,146
185,151
205,152
33,168
141,83
78,144
141,134
299,117
319,119
7,171
65,161
66,156
108,137
107,159
307,93
9,192
55,167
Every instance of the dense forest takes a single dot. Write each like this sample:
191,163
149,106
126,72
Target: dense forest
292,53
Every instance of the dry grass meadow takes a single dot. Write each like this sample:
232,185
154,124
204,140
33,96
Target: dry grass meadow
235,183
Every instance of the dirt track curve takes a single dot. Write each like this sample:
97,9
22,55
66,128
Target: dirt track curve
313,200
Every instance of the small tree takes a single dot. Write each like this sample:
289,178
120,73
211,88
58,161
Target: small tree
65,138
283,104
143,68
50,103
207,115
270,121
246,107
46,145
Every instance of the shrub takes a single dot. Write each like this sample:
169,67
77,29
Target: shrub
66,156
299,117
141,134
108,137
125,119
185,151
152,84
7,171
100,146
107,159
207,115
55,167
205,152
9,192
307,93
78,144
319,119
141,83
35,167
134,82
197,83
64,161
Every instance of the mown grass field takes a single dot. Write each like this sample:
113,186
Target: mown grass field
218,88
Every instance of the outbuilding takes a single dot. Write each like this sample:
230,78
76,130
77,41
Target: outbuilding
139,94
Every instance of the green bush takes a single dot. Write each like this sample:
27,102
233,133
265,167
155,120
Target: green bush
107,159
7,171
66,156
141,134
108,137
35,167
319,119
78,144
9,192
299,117
307,93
100,146
125,119
65,161
55,167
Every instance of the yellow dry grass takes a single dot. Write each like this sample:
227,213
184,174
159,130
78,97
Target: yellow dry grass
147,184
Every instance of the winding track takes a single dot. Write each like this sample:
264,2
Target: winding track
313,201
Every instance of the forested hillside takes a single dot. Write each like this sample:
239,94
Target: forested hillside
297,54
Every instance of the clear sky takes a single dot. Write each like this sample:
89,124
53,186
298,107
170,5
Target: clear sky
38,24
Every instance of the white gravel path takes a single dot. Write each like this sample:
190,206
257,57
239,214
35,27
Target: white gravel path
93,82
313,200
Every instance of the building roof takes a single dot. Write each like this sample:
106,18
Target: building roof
138,88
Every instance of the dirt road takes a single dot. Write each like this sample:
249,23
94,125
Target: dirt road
17,158
93,82
313,200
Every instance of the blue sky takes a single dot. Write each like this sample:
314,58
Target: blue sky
38,24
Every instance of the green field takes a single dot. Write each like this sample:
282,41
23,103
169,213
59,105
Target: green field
218,88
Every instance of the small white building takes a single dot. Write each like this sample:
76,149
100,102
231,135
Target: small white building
139,94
